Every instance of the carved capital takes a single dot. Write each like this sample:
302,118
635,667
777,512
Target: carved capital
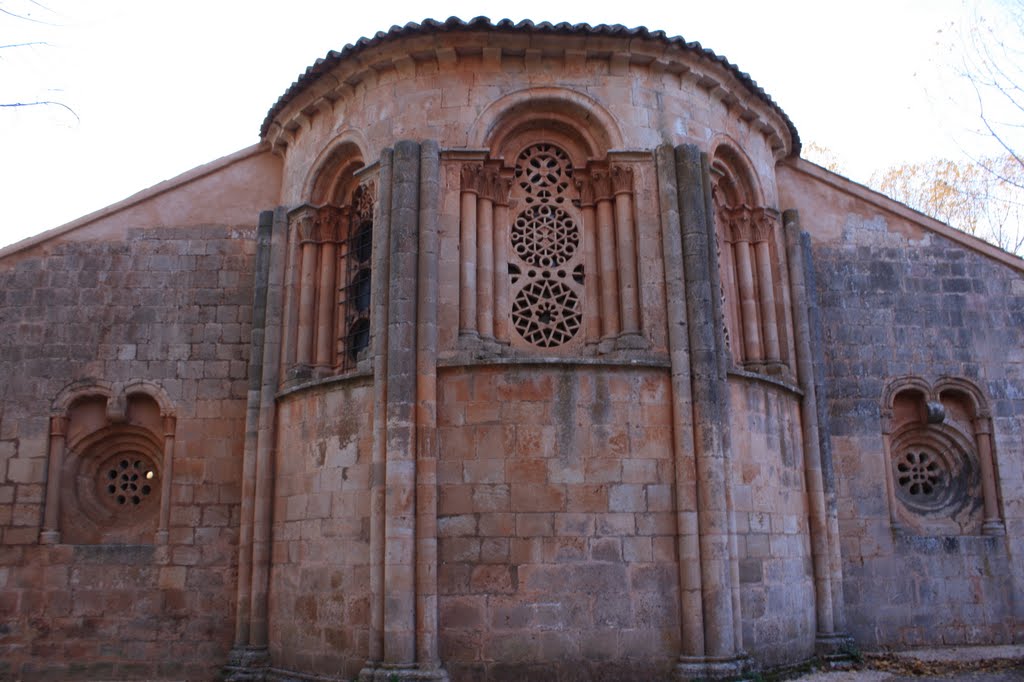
489,184
622,179
764,221
169,425
329,221
303,220
601,182
470,177
585,189
58,425
740,223
363,200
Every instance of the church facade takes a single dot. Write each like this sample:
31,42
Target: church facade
511,351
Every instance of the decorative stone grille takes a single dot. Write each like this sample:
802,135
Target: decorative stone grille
127,481
920,473
547,306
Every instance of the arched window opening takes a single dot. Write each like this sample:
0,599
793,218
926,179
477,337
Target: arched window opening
327,320
548,243
939,459
750,268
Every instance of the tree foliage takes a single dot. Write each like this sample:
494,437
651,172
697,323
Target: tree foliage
984,198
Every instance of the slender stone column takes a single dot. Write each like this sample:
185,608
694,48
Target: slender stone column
591,275
625,240
610,325
426,409
824,435
722,366
748,299
467,248
257,337
291,293
264,489
766,284
327,302
690,605
400,466
380,298
811,448
485,258
708,399
501,282
307,290
992,525
51,522
886,466
167,474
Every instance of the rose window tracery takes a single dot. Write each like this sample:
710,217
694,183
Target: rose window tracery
920,473
545,237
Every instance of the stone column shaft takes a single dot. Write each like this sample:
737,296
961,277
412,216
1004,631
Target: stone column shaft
610,325
55,465
485,267
625,237
591,274
265,439
327,305
467,247
400,466
992,524
291,298
426,409
243,604
307,299
809,419
762,253
379,298
166,475
748,302
708,401
501,282
690,603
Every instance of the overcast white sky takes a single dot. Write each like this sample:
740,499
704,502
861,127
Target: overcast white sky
159,88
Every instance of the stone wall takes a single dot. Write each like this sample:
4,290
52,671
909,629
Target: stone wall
900,302
555,522
776,577
320,581
124,298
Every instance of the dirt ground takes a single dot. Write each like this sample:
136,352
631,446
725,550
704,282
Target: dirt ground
959,664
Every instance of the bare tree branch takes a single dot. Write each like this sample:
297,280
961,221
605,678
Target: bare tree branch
43,103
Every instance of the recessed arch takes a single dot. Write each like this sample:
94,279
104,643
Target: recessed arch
738,183
80,390
557,109
331,175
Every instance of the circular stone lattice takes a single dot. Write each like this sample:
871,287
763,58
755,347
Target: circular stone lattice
127,481
920,474
546,313
543,171
545,236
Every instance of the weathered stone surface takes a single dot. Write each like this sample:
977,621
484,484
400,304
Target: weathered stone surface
492,362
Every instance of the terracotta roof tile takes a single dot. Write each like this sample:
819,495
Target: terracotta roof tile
453,24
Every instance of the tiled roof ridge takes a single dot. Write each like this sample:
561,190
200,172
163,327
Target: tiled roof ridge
323,64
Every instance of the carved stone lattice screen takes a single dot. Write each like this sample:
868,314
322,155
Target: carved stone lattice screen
546,270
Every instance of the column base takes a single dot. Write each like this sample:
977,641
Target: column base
710,668
49,537
835,647
246,664
993,528
382,672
